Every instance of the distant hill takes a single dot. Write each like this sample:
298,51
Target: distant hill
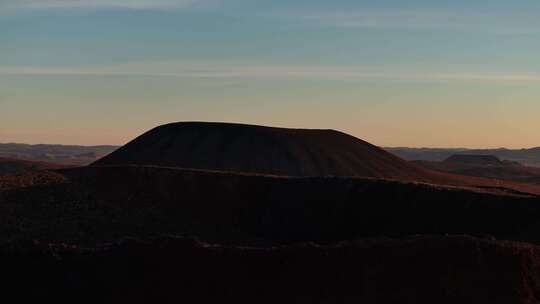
59,154
11,166
486,166
527,157
478,160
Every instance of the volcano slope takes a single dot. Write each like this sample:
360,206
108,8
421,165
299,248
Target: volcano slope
280,151
258,149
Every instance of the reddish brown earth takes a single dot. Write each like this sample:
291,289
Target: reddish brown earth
234,207
88,206
423,269
29,179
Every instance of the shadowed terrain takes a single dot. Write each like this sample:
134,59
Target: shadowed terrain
11,166
88,205
283,215
420,270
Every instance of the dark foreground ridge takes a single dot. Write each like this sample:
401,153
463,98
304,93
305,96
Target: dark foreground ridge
258,149
99,204
423,269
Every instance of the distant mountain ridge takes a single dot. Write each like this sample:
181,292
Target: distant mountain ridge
527,157
60,154
11,166
486,166
479,160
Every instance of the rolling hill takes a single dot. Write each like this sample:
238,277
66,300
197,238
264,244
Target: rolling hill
11,166
485,166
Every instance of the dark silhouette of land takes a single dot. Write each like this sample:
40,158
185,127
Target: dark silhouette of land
257,149
421,269
280,215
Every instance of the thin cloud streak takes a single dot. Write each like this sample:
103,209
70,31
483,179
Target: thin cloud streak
19,5
508,23
227,71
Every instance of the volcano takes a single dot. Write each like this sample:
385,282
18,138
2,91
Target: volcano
261,150
250,149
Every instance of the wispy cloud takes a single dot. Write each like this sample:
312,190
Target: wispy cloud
500,23
376,19
15,5
398,73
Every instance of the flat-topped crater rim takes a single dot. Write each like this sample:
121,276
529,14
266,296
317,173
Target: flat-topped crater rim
240,147
201,123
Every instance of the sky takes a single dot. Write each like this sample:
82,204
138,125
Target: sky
413,73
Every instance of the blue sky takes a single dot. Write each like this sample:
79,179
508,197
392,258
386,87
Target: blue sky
415,73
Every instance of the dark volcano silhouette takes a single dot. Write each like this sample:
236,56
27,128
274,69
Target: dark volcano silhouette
264,150
254,149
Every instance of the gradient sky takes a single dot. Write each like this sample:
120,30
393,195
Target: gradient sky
460,73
